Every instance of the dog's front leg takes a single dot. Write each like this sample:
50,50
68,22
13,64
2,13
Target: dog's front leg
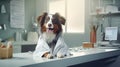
48,55
59,55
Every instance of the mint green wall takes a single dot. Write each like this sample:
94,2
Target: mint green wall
5,19
41,6
30,9
36,8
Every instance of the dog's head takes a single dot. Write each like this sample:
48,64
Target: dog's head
51,22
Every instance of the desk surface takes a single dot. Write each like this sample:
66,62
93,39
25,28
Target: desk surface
79,57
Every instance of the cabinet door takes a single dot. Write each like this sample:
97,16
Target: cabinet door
17,49
26,48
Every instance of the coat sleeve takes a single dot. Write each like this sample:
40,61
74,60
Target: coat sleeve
61,47
41,48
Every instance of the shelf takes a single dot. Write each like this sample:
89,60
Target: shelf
106,13
105,5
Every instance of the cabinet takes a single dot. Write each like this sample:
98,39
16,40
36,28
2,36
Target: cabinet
17,49
23,46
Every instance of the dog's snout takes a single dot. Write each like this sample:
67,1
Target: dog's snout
49,25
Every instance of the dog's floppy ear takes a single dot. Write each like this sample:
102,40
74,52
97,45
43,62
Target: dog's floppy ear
61,18
41,18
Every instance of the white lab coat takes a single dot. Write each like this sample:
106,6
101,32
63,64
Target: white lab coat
42,47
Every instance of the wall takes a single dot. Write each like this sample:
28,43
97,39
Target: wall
36,8
41,6
72,39
5,19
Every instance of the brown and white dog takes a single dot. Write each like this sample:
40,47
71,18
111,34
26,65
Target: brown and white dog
51,43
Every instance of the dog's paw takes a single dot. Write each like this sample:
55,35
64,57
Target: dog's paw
60,55
49,56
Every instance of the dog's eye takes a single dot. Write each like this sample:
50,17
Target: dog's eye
54,21
47,19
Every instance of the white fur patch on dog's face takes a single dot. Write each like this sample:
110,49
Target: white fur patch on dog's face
49,35
49,25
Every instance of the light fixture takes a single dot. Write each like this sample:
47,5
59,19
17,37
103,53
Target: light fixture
3,9
2,27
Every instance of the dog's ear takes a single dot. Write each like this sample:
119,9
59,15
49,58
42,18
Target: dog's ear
61,18
41,18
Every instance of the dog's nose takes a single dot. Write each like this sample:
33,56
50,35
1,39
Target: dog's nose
49,25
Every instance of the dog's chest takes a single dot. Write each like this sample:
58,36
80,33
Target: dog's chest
49,37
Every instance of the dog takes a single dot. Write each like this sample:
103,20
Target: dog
51,43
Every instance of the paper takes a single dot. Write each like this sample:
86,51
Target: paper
17,13
111,33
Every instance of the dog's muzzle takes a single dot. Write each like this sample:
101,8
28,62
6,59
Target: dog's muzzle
50,28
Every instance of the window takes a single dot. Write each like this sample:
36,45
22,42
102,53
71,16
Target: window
73,11
57,6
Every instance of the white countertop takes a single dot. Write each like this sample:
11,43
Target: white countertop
79,57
